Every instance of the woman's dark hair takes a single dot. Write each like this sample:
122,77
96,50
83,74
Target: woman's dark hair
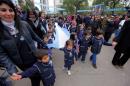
33,12
123,17
16,19
40,13
72,17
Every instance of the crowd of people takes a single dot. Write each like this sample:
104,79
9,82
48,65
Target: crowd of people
24,39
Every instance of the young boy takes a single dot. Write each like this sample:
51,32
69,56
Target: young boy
97,42
43,66
83,45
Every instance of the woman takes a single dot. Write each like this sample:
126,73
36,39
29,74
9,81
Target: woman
36,25
73,28
16,41
34,22
43,22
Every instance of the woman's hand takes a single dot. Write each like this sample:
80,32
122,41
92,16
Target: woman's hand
15,76
114,44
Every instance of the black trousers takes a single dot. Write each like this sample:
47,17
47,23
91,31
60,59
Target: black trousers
83,55
120,59
107,36
35,80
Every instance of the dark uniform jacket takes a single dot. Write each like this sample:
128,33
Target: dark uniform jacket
84,44
96,44
45,70
69,56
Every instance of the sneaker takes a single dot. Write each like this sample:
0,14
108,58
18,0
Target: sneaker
94,65
69,73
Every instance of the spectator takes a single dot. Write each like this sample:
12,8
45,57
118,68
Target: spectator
123,45
16,41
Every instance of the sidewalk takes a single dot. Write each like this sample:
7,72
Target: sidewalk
83,74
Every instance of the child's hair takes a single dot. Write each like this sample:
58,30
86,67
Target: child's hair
87,33
89,28
69,42
45,36
99,32
72,36
40,53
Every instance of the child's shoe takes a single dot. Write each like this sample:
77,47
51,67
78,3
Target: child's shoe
94,65
69,73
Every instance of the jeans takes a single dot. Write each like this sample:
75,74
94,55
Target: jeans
94,58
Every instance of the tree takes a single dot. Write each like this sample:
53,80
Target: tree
72,6
111,3
26,5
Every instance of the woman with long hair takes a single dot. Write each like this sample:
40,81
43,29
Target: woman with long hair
16,41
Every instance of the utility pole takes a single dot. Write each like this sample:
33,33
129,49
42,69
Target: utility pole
41,4
47,6
54,6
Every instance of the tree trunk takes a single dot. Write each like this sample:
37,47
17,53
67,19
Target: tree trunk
113,7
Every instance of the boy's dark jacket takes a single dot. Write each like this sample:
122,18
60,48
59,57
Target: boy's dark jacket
96,44
45,70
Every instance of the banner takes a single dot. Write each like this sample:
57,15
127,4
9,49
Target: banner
61,36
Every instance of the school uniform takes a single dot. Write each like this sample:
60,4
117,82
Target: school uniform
83,47
45,70
96,47
69,56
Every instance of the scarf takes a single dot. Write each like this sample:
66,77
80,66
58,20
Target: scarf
11,27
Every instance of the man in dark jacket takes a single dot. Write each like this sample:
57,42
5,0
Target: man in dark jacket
123,45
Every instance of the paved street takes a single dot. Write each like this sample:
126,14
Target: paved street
83,74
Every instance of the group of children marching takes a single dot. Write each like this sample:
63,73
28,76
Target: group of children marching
75,49
77,46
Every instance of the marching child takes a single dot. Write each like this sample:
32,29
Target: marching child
84,44
69,55
75,40
43,66
50,32
46,40
80,32
97,42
